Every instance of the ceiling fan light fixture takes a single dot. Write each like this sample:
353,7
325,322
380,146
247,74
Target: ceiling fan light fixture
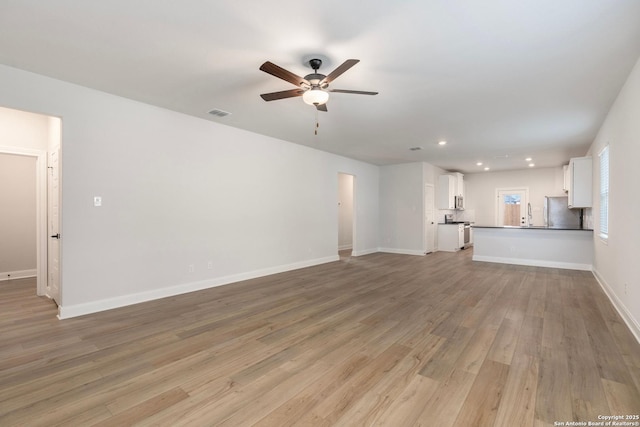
315,96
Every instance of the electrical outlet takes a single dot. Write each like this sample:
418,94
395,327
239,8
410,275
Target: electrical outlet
191,268
210,265
625,288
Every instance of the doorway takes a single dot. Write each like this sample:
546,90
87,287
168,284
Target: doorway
429,219
17,217
34,135
345,214
511,207
40,214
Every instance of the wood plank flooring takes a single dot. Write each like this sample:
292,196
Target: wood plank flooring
378,340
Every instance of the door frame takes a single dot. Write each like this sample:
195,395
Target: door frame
41,212
508,189
424,217
353,210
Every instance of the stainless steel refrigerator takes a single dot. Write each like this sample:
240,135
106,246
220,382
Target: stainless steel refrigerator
558,215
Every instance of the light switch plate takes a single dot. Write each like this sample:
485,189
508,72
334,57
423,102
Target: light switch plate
97,201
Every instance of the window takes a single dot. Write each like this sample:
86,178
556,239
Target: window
604,192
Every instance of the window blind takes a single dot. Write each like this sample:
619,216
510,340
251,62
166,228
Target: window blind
604,192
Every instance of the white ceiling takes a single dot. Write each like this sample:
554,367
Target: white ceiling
500,80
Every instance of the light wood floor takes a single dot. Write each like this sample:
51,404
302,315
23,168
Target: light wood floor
382,339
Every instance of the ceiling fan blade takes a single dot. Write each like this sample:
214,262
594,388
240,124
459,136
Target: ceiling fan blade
322,107
282,94
281,73
338,71
357,92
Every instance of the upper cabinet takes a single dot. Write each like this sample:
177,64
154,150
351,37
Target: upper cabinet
579,182
458,178
451,191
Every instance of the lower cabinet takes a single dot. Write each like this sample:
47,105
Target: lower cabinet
450,237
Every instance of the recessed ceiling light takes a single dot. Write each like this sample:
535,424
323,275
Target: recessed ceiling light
531,165
528,159
486,168
479,164
443,142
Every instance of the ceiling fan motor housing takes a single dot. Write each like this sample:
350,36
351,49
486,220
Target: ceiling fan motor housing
315,78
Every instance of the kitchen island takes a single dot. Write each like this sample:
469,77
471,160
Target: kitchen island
536,246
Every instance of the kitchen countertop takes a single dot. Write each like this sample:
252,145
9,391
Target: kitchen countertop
534,227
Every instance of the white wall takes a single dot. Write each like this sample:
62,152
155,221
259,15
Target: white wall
345,211
616,260
23,129
180,191
480,191
17,216
401,208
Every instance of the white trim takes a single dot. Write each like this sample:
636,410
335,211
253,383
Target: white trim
402,251
41,211
604,236
497,205
20,151
534,262
622,310
424,218
20,274
68,311
345,247
364,252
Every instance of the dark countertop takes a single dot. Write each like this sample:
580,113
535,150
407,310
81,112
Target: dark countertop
535,227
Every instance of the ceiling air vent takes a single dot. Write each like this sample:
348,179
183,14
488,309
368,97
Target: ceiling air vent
219,113
415,148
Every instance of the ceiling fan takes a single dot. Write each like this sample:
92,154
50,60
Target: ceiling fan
314,87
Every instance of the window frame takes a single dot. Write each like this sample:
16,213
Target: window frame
604,192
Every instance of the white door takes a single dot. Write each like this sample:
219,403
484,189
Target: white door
53,226
429,219
345,211
511,207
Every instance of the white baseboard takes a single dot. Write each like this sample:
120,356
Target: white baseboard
401,251
20,274
622,310
69,311
365,252
534,263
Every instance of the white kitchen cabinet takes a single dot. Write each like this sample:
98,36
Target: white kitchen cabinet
449,187
446,192
580,182
566,181
450,237
459,183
